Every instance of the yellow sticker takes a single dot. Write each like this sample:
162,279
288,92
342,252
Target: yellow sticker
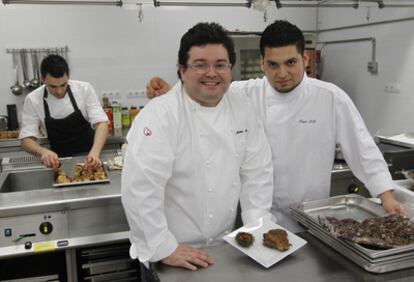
44,246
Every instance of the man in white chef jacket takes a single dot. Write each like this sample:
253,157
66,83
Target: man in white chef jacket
192,154
304,119
70,114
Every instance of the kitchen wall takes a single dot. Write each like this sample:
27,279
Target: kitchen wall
346,64
110,48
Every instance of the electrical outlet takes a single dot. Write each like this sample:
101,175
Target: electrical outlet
393,87
142,93
130,94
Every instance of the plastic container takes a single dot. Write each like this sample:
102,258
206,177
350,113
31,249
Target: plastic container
117,115
133,111
126,123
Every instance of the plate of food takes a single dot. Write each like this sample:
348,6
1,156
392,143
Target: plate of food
265,241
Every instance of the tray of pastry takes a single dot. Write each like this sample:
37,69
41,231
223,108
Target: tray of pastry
78,174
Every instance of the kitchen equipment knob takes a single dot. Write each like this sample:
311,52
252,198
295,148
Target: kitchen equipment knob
46,227
353,188
28,245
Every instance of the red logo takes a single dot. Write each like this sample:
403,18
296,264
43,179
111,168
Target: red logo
147,131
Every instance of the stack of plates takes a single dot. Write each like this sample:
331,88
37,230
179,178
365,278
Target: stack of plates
358,208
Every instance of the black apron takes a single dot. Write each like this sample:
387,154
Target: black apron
70,135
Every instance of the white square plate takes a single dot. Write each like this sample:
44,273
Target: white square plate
260,253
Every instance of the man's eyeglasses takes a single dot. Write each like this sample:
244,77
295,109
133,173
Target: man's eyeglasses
202,68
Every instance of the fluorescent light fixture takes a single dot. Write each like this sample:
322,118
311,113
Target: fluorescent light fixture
200,3
63,2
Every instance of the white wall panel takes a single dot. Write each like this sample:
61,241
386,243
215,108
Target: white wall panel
110,48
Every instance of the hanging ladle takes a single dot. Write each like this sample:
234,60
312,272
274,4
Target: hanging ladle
16,89
35,81
26,81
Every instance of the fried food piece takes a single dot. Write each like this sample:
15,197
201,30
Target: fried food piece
62,178
276,239
244,239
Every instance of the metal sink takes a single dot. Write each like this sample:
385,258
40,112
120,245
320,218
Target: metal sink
25,180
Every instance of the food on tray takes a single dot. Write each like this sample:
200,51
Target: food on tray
62,178
81,174
9,134
276,239
244,239
380,232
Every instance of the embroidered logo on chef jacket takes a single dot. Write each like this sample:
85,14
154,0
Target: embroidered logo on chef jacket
241,131
147,131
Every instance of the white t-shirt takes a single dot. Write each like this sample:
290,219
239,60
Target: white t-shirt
33,114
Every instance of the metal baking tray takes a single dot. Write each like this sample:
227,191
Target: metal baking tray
350,246
375,267
106,180
346,206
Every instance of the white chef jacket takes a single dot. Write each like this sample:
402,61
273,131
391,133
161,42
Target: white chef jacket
303,127
33,114
186,166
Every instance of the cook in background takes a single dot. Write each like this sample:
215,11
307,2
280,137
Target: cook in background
69,113
191,156
304,119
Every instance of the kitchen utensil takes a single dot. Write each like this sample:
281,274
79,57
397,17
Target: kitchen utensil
16,89
3,123
35,82
26,81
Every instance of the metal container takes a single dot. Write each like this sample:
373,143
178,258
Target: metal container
3,123
358,208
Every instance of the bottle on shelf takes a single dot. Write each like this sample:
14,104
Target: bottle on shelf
125,118
117,115
133,111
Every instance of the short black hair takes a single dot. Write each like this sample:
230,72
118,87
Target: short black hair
55,66
203,34
282,33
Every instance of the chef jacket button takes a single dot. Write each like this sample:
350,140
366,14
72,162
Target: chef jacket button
210,189
231,209
234,183
207,163
237,155
210,215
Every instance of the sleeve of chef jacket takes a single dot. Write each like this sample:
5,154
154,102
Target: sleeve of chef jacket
256,174
147,167
30,120
94,110
358,147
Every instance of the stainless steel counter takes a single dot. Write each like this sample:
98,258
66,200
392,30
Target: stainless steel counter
315,262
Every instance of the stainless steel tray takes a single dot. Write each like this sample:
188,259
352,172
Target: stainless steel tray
106,180
351,247
357,207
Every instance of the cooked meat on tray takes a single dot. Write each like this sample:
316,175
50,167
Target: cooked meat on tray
276,239
380,232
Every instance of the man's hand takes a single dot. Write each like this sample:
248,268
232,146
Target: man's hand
189,258
50,159
92,161
389,203
157,87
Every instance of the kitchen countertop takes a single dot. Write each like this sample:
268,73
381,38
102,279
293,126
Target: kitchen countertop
54,199
315,262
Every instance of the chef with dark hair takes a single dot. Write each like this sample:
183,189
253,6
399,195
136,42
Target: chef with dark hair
70,114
